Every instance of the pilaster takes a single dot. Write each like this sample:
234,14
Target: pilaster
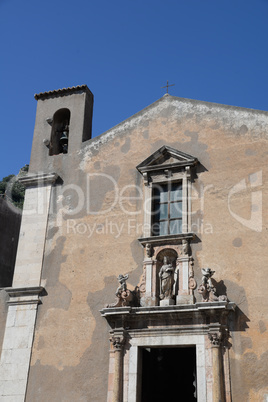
33,229
25,293
18,339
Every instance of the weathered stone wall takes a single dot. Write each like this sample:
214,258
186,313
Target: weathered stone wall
93,230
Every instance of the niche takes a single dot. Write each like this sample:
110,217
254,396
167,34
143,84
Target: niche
167,283
60,132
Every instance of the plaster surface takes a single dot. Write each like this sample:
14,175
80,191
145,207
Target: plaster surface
96,216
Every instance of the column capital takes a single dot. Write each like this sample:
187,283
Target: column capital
118,340
215,339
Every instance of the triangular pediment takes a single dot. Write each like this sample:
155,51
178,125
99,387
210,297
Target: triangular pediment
166,157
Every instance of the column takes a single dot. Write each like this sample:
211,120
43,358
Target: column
117,343
217,387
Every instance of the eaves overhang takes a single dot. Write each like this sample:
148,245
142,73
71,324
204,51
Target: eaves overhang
63,92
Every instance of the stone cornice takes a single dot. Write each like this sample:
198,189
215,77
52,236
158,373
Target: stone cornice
39,179
167,239
175,309
25,295
204,317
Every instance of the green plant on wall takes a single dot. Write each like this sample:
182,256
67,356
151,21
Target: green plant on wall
12,189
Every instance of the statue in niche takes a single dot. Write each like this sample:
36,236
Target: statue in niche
207,289
166,276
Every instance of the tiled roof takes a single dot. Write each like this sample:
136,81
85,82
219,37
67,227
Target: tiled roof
61,92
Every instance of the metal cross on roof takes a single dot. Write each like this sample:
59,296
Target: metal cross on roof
167,86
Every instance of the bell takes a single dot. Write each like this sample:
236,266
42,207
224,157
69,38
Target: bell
64,142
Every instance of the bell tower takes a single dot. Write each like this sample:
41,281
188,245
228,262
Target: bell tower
63,123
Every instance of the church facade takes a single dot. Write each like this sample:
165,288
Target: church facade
141,264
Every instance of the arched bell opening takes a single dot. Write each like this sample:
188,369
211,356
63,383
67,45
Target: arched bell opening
60,132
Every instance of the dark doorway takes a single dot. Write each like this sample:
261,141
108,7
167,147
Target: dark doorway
168,374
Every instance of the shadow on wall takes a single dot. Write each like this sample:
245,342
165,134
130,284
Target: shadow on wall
10,220
237,295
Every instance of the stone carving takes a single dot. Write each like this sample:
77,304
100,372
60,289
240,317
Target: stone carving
142,283
166,276
207,289
215,338
192,281
149,250
125,297
123,284
186,249
117,342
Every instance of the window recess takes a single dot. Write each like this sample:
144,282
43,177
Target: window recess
167,209
167,177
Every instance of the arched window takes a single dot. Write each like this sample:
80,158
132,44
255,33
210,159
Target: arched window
60,132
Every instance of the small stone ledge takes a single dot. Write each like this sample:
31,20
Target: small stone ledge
183,308
168,239
36,180
25,295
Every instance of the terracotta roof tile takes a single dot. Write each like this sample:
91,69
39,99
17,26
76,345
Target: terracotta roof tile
62,92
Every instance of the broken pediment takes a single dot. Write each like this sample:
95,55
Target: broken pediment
166,157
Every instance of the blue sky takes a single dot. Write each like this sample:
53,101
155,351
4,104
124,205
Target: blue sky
125,51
